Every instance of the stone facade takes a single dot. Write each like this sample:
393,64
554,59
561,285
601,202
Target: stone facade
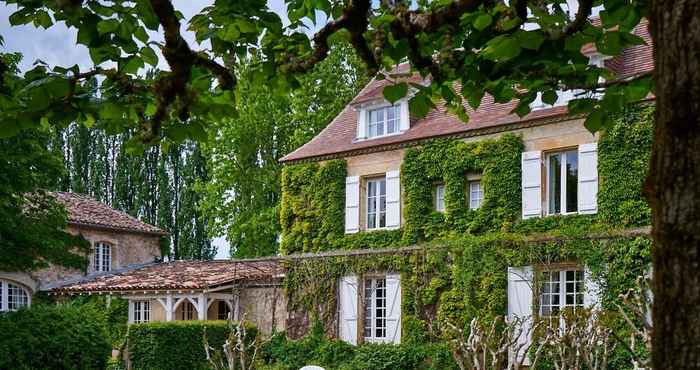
128,248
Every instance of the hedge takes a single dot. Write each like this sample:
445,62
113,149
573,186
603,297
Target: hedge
176,344
53,337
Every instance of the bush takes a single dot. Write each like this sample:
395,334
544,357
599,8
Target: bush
53,337
176,344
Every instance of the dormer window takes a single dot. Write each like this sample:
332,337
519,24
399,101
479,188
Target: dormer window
381,119
384,121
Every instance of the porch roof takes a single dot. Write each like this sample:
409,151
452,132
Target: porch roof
176,275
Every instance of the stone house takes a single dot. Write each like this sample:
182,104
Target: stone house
558,170
119,242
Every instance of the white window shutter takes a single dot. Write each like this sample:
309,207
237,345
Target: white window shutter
520,280
405,120
352,204
532,184
393,200
347,309
361,124
592,294
588,178
393,315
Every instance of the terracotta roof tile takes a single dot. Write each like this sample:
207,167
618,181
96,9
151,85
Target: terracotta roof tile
86,211
339,137
176,275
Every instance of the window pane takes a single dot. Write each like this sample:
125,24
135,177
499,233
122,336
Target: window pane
554,184
476,195
440,197
17,297
572,181
392,121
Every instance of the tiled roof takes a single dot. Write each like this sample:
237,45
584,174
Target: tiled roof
184,275
339,137
86,211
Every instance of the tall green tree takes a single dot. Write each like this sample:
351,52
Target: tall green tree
242,198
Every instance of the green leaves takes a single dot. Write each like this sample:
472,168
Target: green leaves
483,21
394,93
149,56
107,26
501,49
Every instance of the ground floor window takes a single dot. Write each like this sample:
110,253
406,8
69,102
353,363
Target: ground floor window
187,311
142,311
375,309
561,289
12,296
223,310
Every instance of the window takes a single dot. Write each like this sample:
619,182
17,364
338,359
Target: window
439,197
476,194
376,203
560,289
187,311
375,310
142,311
383,121
12,296
223,311
562,182
103,257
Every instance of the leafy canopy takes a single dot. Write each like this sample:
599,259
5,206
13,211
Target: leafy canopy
510,51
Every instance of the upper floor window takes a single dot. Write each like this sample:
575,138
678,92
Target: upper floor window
142,311
476,194
561,289
103,257
383,121
376,203
12,296
562,182
439,197
375,309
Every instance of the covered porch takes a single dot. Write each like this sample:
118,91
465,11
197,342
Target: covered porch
195,290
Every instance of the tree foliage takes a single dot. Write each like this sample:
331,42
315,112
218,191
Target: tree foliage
242,200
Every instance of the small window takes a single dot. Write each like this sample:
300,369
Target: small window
560,289
223,311
383,121
375,310
103,257
142,311
187,311
562,182
12,296
476,194
376,203
439,197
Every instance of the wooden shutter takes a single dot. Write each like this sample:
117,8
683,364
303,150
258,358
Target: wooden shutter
592,293
393,312
393,200
405,116
532,184
588,178
352,204
361,124
347,309
520,280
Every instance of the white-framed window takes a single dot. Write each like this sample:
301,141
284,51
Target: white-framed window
376,203
476,194
561,289
439,197
187,311
102,259
383,121
13,296
562,182
375,328
142,311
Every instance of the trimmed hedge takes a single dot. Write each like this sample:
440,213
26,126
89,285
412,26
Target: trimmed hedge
53,337
176,344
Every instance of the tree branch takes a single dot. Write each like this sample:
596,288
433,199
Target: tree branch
584,11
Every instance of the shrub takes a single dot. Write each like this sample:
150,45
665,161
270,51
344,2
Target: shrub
53,337
176,344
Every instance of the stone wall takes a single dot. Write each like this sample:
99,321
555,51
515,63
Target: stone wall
265,306
128,248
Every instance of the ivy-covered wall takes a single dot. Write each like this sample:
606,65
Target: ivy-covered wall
460,271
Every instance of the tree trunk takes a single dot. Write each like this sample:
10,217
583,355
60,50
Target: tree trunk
673,185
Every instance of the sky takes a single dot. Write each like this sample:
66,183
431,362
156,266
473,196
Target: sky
57,46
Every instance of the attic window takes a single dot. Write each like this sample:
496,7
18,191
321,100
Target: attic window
383,121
